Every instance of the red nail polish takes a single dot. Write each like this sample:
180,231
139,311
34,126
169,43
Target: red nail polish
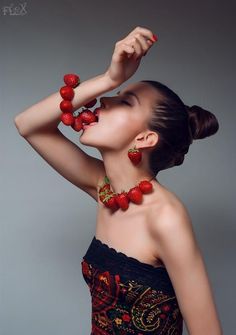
154,37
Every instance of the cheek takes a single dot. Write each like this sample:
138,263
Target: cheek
121,126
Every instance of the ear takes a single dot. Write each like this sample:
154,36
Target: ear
146,140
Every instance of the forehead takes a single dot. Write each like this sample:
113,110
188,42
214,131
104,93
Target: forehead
145,92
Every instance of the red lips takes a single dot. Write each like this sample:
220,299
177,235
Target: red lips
85,126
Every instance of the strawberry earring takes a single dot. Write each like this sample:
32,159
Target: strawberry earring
135,155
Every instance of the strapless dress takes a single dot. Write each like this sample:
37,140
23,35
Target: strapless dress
127,295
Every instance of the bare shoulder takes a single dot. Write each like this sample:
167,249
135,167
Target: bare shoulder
170,220
177,247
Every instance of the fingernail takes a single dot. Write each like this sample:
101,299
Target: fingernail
154,38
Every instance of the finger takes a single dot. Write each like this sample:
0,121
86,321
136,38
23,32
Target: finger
141,45
143,31
135,44
145,43
150,43
138,48
123,49
129,50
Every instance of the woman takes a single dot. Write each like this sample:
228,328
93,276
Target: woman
143,267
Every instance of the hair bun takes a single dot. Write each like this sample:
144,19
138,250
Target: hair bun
202,122
179,158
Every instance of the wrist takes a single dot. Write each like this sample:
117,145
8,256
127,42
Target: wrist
111,83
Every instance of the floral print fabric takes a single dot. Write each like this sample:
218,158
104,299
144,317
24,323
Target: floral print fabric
128,296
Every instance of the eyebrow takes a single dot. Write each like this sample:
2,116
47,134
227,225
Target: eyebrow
130,93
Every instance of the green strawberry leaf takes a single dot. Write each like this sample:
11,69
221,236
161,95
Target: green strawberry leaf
106,180
104,192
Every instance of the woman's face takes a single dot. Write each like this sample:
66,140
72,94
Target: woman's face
121,118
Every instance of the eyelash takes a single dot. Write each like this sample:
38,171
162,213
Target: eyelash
126,102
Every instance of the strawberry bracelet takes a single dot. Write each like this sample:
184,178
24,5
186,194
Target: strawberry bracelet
69,117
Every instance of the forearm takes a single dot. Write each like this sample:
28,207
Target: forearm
46,113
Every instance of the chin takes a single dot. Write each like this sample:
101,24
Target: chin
88,140
110,139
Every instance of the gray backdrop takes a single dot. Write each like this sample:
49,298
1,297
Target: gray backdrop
46,222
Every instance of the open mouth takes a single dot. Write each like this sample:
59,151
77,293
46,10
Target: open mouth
88,125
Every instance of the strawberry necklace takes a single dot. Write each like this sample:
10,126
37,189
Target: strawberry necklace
121,200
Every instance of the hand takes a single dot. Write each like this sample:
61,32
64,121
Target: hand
127,55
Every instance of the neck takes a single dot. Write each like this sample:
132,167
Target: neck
121,172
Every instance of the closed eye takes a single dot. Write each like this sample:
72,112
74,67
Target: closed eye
125,102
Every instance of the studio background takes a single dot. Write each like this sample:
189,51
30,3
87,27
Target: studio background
46,222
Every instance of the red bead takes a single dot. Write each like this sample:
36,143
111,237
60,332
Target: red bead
165,308
126,317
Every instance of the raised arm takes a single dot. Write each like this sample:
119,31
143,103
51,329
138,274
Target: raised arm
45,114
38,125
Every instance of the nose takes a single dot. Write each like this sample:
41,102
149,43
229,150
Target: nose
102,106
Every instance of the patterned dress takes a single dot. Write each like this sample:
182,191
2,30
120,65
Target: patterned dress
129,296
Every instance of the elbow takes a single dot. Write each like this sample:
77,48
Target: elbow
18,125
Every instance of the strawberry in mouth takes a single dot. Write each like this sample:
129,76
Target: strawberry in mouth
78,120
88,118
84,119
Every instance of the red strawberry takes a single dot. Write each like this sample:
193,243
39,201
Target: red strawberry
67,119
66,106
122,200
102,195
104,191
91,103
67,92
105,188
71,80
135,195
145,186
88,116
78,124
105,185
110,201
134,155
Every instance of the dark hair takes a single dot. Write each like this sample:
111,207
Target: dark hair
177,125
